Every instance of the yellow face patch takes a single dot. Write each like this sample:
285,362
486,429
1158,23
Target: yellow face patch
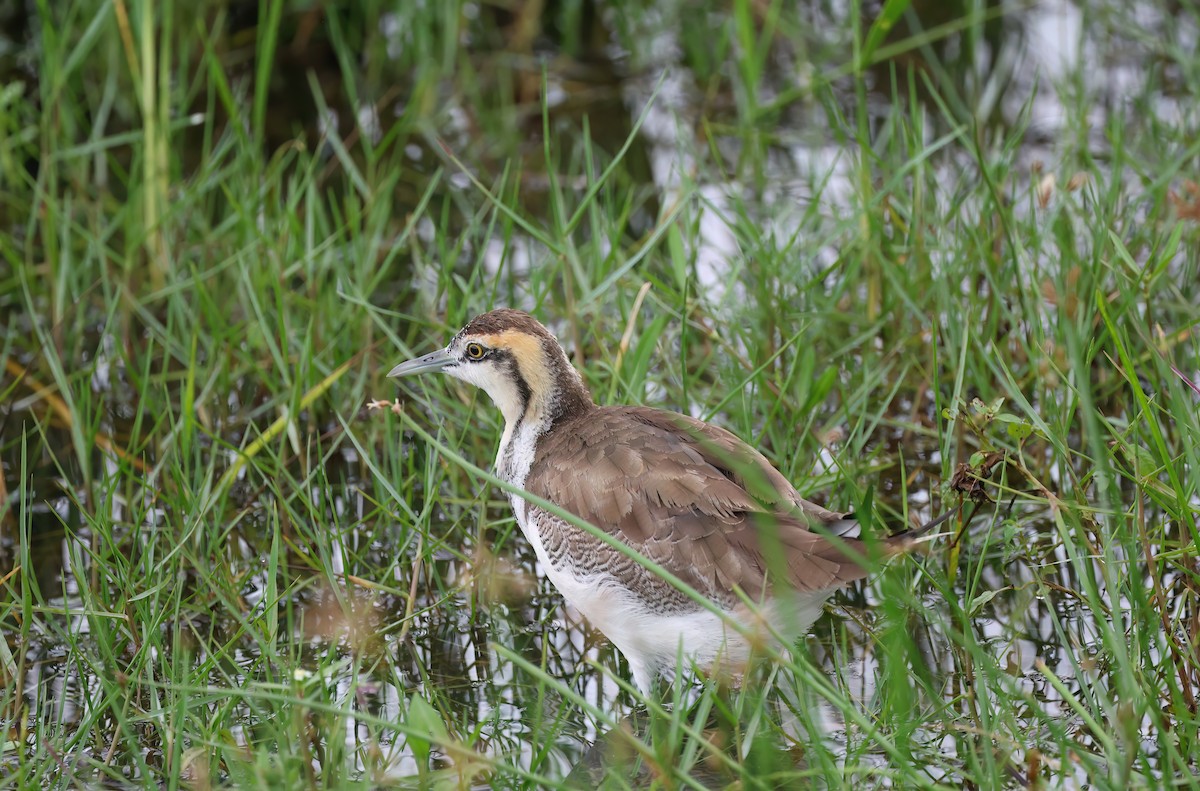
531,358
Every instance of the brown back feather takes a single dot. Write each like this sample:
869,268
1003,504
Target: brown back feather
693,498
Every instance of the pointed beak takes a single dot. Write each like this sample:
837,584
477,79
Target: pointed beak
430,362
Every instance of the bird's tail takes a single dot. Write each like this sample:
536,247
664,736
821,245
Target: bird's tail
909,538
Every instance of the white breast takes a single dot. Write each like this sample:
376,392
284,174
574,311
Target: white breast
513,462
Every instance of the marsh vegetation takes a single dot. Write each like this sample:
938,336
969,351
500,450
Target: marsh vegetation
878,241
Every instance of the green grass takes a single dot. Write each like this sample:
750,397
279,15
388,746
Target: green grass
219,568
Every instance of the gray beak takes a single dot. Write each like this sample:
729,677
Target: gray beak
430,362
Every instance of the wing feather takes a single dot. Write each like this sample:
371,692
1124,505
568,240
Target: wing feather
693,498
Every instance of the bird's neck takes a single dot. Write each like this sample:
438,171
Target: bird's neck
547,401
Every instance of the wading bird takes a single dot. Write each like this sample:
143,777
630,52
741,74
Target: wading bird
690,497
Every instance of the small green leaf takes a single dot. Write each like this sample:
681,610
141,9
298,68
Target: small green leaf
820,390
1019,430
805,372
982,599
883,24
424,718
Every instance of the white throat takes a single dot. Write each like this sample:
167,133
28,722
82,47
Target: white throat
514,457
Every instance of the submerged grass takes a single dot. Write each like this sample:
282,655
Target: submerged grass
220,568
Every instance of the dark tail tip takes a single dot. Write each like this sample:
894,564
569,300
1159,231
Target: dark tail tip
905,540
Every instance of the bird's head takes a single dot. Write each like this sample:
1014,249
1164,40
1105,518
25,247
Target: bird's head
515,360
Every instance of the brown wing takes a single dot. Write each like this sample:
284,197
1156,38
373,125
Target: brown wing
693,498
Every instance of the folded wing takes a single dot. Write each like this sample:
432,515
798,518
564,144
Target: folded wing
695,499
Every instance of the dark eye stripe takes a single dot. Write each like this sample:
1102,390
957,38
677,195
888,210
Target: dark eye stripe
524,392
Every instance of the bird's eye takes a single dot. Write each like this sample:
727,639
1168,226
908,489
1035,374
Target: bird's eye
475,351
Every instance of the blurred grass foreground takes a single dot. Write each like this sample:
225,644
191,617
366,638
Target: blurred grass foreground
881,241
